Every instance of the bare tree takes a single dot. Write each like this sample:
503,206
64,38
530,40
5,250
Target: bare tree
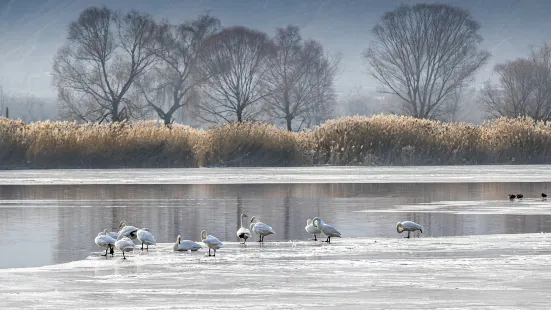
104,54
524,87
300,77
422,53
168,86
237,63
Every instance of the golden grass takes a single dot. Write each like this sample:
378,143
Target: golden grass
377,140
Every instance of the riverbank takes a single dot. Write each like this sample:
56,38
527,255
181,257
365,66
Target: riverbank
365,141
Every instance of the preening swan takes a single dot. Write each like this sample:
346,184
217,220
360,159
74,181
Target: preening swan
311,229
409,227
185,245
105,241
243,232
327,230
127,231
145,237
211,241
124,244
261,229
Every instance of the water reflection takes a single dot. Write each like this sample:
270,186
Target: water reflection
43,225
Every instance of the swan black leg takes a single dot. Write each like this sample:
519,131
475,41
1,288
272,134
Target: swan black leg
105,252
142,246
259,238
111,251
408,234
123,257
328,239
209,252
315,238
147,249
214,253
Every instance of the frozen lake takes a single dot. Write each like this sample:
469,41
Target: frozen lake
50,218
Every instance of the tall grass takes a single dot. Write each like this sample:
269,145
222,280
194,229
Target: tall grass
377,140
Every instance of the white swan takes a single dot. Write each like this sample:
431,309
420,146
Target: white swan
311,229
125,244
243,232
408,226
261,229
127,231
327,230
211,241
145,237
186,245
103,240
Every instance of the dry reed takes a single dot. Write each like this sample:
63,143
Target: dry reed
377,140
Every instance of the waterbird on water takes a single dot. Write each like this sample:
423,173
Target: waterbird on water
261,229
127,230
543,195
512,196
104,240
326,229
211,241
311,229
519,196
145,237
243,232
185,245
408,226
124,244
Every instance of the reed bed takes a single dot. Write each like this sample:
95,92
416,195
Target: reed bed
376,140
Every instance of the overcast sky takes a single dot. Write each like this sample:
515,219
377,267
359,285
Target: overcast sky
32,30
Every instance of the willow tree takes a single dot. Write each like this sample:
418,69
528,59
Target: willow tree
171,83
105,52
237,63
422,53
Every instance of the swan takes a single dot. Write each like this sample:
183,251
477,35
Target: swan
127,231
145,237
243,232
103,240
124,244
311,229
408,226
185,245
261,229
211,241
326,229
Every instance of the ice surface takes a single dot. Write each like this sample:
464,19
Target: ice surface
329,174
482,272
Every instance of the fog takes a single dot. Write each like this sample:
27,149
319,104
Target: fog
32,31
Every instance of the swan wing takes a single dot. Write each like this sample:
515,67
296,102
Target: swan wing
146,237
213,241
104,241
409,225
128,231
330,231
311,229
243,232
263,229
187,245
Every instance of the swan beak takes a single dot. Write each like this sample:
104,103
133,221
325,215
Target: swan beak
421,230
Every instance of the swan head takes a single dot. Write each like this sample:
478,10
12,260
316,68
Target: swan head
203,235
316,221
122,224
244,215
253,219
399,227
178,239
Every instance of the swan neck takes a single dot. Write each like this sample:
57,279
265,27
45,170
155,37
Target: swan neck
242,220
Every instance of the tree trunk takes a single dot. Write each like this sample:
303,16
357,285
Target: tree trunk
239,116
167,118
289,123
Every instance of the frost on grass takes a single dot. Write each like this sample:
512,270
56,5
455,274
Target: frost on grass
492,271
